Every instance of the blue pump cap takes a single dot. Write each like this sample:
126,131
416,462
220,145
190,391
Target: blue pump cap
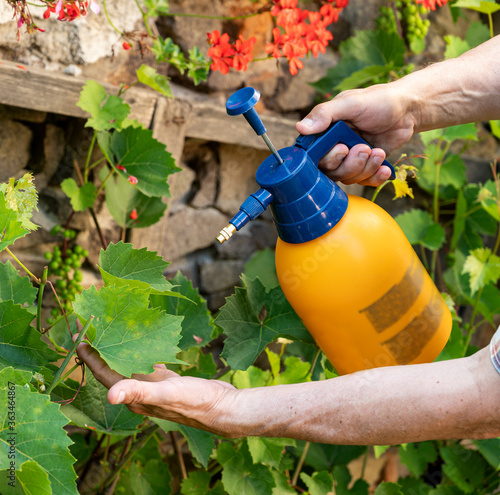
243,102
306,203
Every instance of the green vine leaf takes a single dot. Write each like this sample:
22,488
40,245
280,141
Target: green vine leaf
142,156
11,228
388,488
483,6
20,344
465,467
201,443
156,7
91,408
254,317
342,478
417,456
268,451
129,335
483,268
197,325
240,474
122,198
197,483
123,265
151,479
81,197
106,111
319,483
420,229
21,196
31,479
39,437
16,288
149,76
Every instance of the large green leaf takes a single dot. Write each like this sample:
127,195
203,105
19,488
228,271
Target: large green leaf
30,479
342,478
268,450
263,265
420,229
465,467
477,33
197,326
149,76
151,479
240,475
142,157
490,450
388,489
483,268
123,265
36,436
81,197
323,457
14,287
483,6
201,443
455,46
123,198
21,196
417,456
363,76
319,483
106,112
252,318
21,345
11,228
129,335
91,408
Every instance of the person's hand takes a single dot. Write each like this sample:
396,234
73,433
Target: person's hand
379,115
203,404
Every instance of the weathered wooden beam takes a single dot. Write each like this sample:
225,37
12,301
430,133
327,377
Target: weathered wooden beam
48,91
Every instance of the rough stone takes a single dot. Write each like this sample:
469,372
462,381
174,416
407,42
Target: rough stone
53,147
190,230
15,140
220,275
23,114
299,94
187,266
181,184
238,165
208,177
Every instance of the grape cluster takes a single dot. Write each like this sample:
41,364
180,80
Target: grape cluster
64,264
409,15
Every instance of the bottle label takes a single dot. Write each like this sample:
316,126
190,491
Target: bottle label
397,301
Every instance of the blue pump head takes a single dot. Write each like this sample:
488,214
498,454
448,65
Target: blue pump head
304,202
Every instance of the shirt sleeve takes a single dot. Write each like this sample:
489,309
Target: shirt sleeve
495,350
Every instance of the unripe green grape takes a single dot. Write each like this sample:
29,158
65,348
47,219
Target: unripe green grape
78,276
57,250
85,253
61,283
51,321
55,229
48,255
53,265
78,249
55,312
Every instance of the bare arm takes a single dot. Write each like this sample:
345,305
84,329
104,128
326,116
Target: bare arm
445,400
456,91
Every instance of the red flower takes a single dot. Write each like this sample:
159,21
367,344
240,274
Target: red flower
431,4
133,214
133,180
122,168
126,46
224,55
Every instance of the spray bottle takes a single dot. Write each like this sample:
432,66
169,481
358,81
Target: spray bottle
343,263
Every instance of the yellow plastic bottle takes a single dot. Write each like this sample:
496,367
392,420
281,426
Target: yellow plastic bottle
343,263
363,293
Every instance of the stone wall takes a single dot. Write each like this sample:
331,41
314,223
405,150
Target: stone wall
215,178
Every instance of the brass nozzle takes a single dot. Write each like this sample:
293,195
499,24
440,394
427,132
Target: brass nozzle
226,233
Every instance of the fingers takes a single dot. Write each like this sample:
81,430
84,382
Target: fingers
316,121
360,165
97,365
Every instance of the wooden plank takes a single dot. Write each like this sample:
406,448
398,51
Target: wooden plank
48,91
209,121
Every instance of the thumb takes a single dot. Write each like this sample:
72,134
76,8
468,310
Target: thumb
132,391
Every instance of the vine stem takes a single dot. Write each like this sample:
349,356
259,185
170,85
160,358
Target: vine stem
471,322
300,464
106,13
37,280
377,191
60,371
43,282
178,453
91,148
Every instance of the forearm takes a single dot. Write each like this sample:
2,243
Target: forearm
451,399
456,91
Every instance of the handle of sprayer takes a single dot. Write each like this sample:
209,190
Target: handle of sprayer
318,145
